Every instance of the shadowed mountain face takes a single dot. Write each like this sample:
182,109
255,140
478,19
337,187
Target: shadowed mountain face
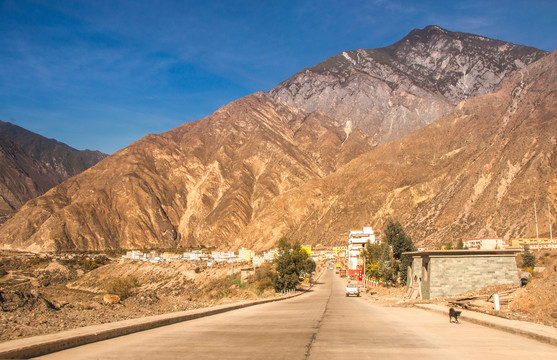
391,91
22,177
32,164
258,169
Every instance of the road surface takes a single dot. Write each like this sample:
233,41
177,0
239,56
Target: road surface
323,324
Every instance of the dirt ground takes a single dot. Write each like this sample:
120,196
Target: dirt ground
38,297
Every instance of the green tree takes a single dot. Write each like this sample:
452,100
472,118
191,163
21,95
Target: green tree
460,244
399,242
291,263
378,261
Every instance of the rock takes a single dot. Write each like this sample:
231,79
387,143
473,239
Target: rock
389,92
111,299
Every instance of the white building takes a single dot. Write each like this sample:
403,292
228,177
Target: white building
484,244
134,255
357,240
270,255
246,254
257,260
222,255
194,255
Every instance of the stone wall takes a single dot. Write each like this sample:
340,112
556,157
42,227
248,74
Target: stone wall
452,275
451,272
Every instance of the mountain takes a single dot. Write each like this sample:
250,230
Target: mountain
476,172
391,91
260,168
63,159
202,182
32,164
22,177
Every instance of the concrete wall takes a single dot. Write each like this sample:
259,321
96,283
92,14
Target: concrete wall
414,271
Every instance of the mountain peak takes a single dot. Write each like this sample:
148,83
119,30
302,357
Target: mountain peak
388,92
428,31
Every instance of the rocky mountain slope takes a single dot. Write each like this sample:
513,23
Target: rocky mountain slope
22,177
475,172
389,92
202,182
32,164
258,169
63,159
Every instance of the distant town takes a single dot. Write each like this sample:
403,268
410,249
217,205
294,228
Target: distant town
349,255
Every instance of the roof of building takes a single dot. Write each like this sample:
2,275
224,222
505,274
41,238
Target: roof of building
463,252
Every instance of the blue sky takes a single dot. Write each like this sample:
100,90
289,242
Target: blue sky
102,74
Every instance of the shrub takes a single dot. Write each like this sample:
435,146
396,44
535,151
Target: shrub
528,260
122,287
223,287
263,277
38,260
264,284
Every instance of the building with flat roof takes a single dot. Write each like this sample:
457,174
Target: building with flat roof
484,244
439,273
534,243
246,254
357,240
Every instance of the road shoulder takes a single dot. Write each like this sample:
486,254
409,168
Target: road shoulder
543,333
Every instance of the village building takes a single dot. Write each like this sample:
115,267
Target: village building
245,254
221,256
439,273
484,244
257,260
270,255
357,240
307,249
339,251
534,243
133,255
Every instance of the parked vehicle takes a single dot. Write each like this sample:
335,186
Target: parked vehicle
352,289
342,272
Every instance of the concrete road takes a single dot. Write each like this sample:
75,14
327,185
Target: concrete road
323,324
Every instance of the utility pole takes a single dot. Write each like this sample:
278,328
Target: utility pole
549,215
537,232
364,272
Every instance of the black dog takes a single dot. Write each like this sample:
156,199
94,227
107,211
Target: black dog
454,314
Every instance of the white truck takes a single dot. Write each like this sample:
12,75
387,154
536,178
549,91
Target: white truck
352,289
